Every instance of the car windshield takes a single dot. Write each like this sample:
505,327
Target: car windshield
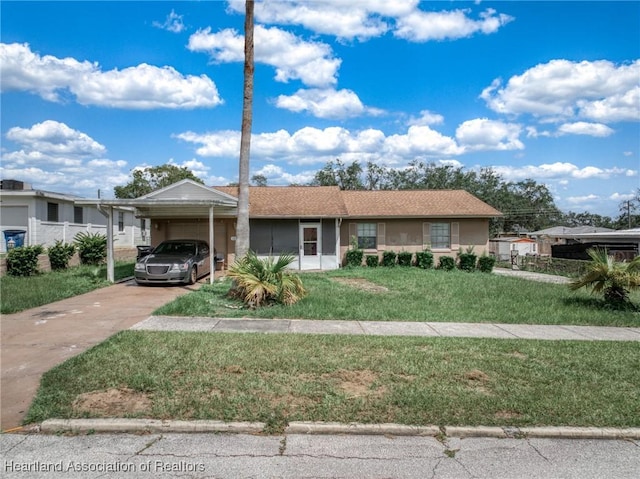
176,248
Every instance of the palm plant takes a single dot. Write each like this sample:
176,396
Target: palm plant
264,281
606,275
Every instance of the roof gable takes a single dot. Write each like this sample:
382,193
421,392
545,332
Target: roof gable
188,190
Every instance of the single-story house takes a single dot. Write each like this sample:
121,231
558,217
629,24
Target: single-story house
317,224
37,217
558,235
504,247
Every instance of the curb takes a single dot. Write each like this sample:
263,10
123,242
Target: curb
90,426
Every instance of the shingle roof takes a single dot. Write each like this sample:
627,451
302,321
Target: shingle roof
416,203
330,201
292,201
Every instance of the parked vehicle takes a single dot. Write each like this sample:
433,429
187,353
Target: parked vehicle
174,261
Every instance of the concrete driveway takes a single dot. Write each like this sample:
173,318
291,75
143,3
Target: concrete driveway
35,340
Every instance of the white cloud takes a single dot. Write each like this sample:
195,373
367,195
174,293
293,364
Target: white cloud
484,134
141,87
420,26
561,170
622,196
326,103
56,157
582,199
276,175
348,20
584,128
293,58
53,138
426,118
173,23
313,145
561,89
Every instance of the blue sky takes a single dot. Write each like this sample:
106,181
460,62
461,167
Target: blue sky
542,90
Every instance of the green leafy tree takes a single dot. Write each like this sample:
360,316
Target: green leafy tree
347,177
259,180
611,278
152,178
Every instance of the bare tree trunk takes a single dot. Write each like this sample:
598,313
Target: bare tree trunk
242,231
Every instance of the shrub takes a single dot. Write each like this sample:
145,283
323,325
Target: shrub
92,248
467,260
447,263
607,276
404,258
388,258
354,257
265,281
486,263
424,259
60,254
23,261
372,260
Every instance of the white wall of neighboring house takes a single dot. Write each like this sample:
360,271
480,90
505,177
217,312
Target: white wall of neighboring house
33,211
502,248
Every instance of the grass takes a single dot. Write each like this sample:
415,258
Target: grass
20,293
275,378
413,294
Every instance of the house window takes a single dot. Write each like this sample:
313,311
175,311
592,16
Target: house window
77,215
52,212
120,221
440,235
367,235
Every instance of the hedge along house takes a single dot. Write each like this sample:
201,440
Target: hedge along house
317,224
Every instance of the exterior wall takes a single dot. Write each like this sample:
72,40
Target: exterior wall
411,235
197,228
29,213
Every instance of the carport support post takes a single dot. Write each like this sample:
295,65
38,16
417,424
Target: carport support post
110,255
212,259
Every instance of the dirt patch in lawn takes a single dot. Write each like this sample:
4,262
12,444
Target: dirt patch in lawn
477,380
362,284
357,383
112,402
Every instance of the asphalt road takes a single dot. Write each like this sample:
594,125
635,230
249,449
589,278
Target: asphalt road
312,456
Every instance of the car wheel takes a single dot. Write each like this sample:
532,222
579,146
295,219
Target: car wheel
193,275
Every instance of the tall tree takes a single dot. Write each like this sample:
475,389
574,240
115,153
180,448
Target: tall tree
153,178
242,230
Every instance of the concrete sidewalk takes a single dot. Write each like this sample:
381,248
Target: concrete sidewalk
388,328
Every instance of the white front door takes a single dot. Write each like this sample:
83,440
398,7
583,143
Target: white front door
310,246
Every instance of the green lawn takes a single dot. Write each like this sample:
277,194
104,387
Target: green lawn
277,378
413,294
20,293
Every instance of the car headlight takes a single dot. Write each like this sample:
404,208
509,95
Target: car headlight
179,267
140,267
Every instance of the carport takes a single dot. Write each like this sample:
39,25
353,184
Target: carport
185,199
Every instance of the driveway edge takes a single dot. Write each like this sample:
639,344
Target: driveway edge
109,425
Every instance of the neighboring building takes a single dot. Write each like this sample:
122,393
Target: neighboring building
559,235
503,248
317,224
623,244
45,217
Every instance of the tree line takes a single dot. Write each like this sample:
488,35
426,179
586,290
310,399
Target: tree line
526,205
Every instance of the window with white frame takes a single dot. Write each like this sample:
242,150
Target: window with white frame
120,221
367,235
440,235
